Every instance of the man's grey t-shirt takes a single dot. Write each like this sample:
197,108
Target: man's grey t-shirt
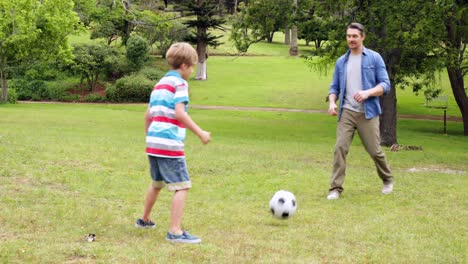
353,83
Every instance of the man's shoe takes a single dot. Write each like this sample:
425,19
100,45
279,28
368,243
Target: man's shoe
184,238
140,223
333,195
387,188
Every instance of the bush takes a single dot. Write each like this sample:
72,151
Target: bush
35,90
94,98
132,89
154,74
12,96
58,92
137,51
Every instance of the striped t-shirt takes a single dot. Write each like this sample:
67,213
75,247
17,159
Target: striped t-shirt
166,135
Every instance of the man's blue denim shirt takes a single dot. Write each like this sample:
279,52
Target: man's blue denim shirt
373,71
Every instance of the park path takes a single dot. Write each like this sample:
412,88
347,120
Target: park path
273,109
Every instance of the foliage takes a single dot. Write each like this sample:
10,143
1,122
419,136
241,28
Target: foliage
261,18
12,96
94,98
161,29
205,19
240,36
35,90
85,10
152,73
32,31
109,21
130,89
404,39
92,61
312,27
137,51
60,94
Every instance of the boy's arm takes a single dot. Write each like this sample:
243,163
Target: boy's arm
187,121
147,119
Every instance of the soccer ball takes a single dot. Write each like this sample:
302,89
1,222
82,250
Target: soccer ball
283,204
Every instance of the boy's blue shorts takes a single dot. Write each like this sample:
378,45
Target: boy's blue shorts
169,171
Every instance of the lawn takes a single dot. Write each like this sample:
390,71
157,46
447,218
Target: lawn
68,170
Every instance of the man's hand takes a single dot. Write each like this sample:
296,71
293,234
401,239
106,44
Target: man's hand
332,109
361,96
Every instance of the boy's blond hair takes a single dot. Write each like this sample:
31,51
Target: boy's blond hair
180,53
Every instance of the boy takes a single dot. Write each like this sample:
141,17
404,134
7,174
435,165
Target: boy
165,122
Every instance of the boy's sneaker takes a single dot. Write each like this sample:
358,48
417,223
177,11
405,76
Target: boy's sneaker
140,223
184,238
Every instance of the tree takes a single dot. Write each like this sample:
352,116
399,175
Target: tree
258,21
268,16
455,40
205,12
312,27
85,10
403,37
109,21
93,60
161,29
33,31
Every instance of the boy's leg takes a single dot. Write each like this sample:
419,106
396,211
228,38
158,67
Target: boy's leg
177,210
151,197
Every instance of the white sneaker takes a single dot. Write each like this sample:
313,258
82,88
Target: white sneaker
387,188
333,195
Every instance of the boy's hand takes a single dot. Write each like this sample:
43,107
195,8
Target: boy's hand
205,137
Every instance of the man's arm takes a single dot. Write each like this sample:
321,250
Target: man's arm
361,96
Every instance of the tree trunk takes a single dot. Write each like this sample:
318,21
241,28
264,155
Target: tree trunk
270,37
201,71
287,36
388,119
293,51
4,86
456,49
293,48
458,89
201,50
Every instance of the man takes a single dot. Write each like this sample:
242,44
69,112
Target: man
360,78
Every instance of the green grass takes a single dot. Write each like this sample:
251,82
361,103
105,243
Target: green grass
69,170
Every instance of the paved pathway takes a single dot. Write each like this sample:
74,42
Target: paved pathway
273,109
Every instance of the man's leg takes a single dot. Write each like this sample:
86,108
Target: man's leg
369,133
344,136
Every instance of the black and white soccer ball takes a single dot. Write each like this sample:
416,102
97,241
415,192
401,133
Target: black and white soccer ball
283,204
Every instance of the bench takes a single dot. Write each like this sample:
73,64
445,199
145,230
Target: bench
440,102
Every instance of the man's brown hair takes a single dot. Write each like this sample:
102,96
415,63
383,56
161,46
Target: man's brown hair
357,26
